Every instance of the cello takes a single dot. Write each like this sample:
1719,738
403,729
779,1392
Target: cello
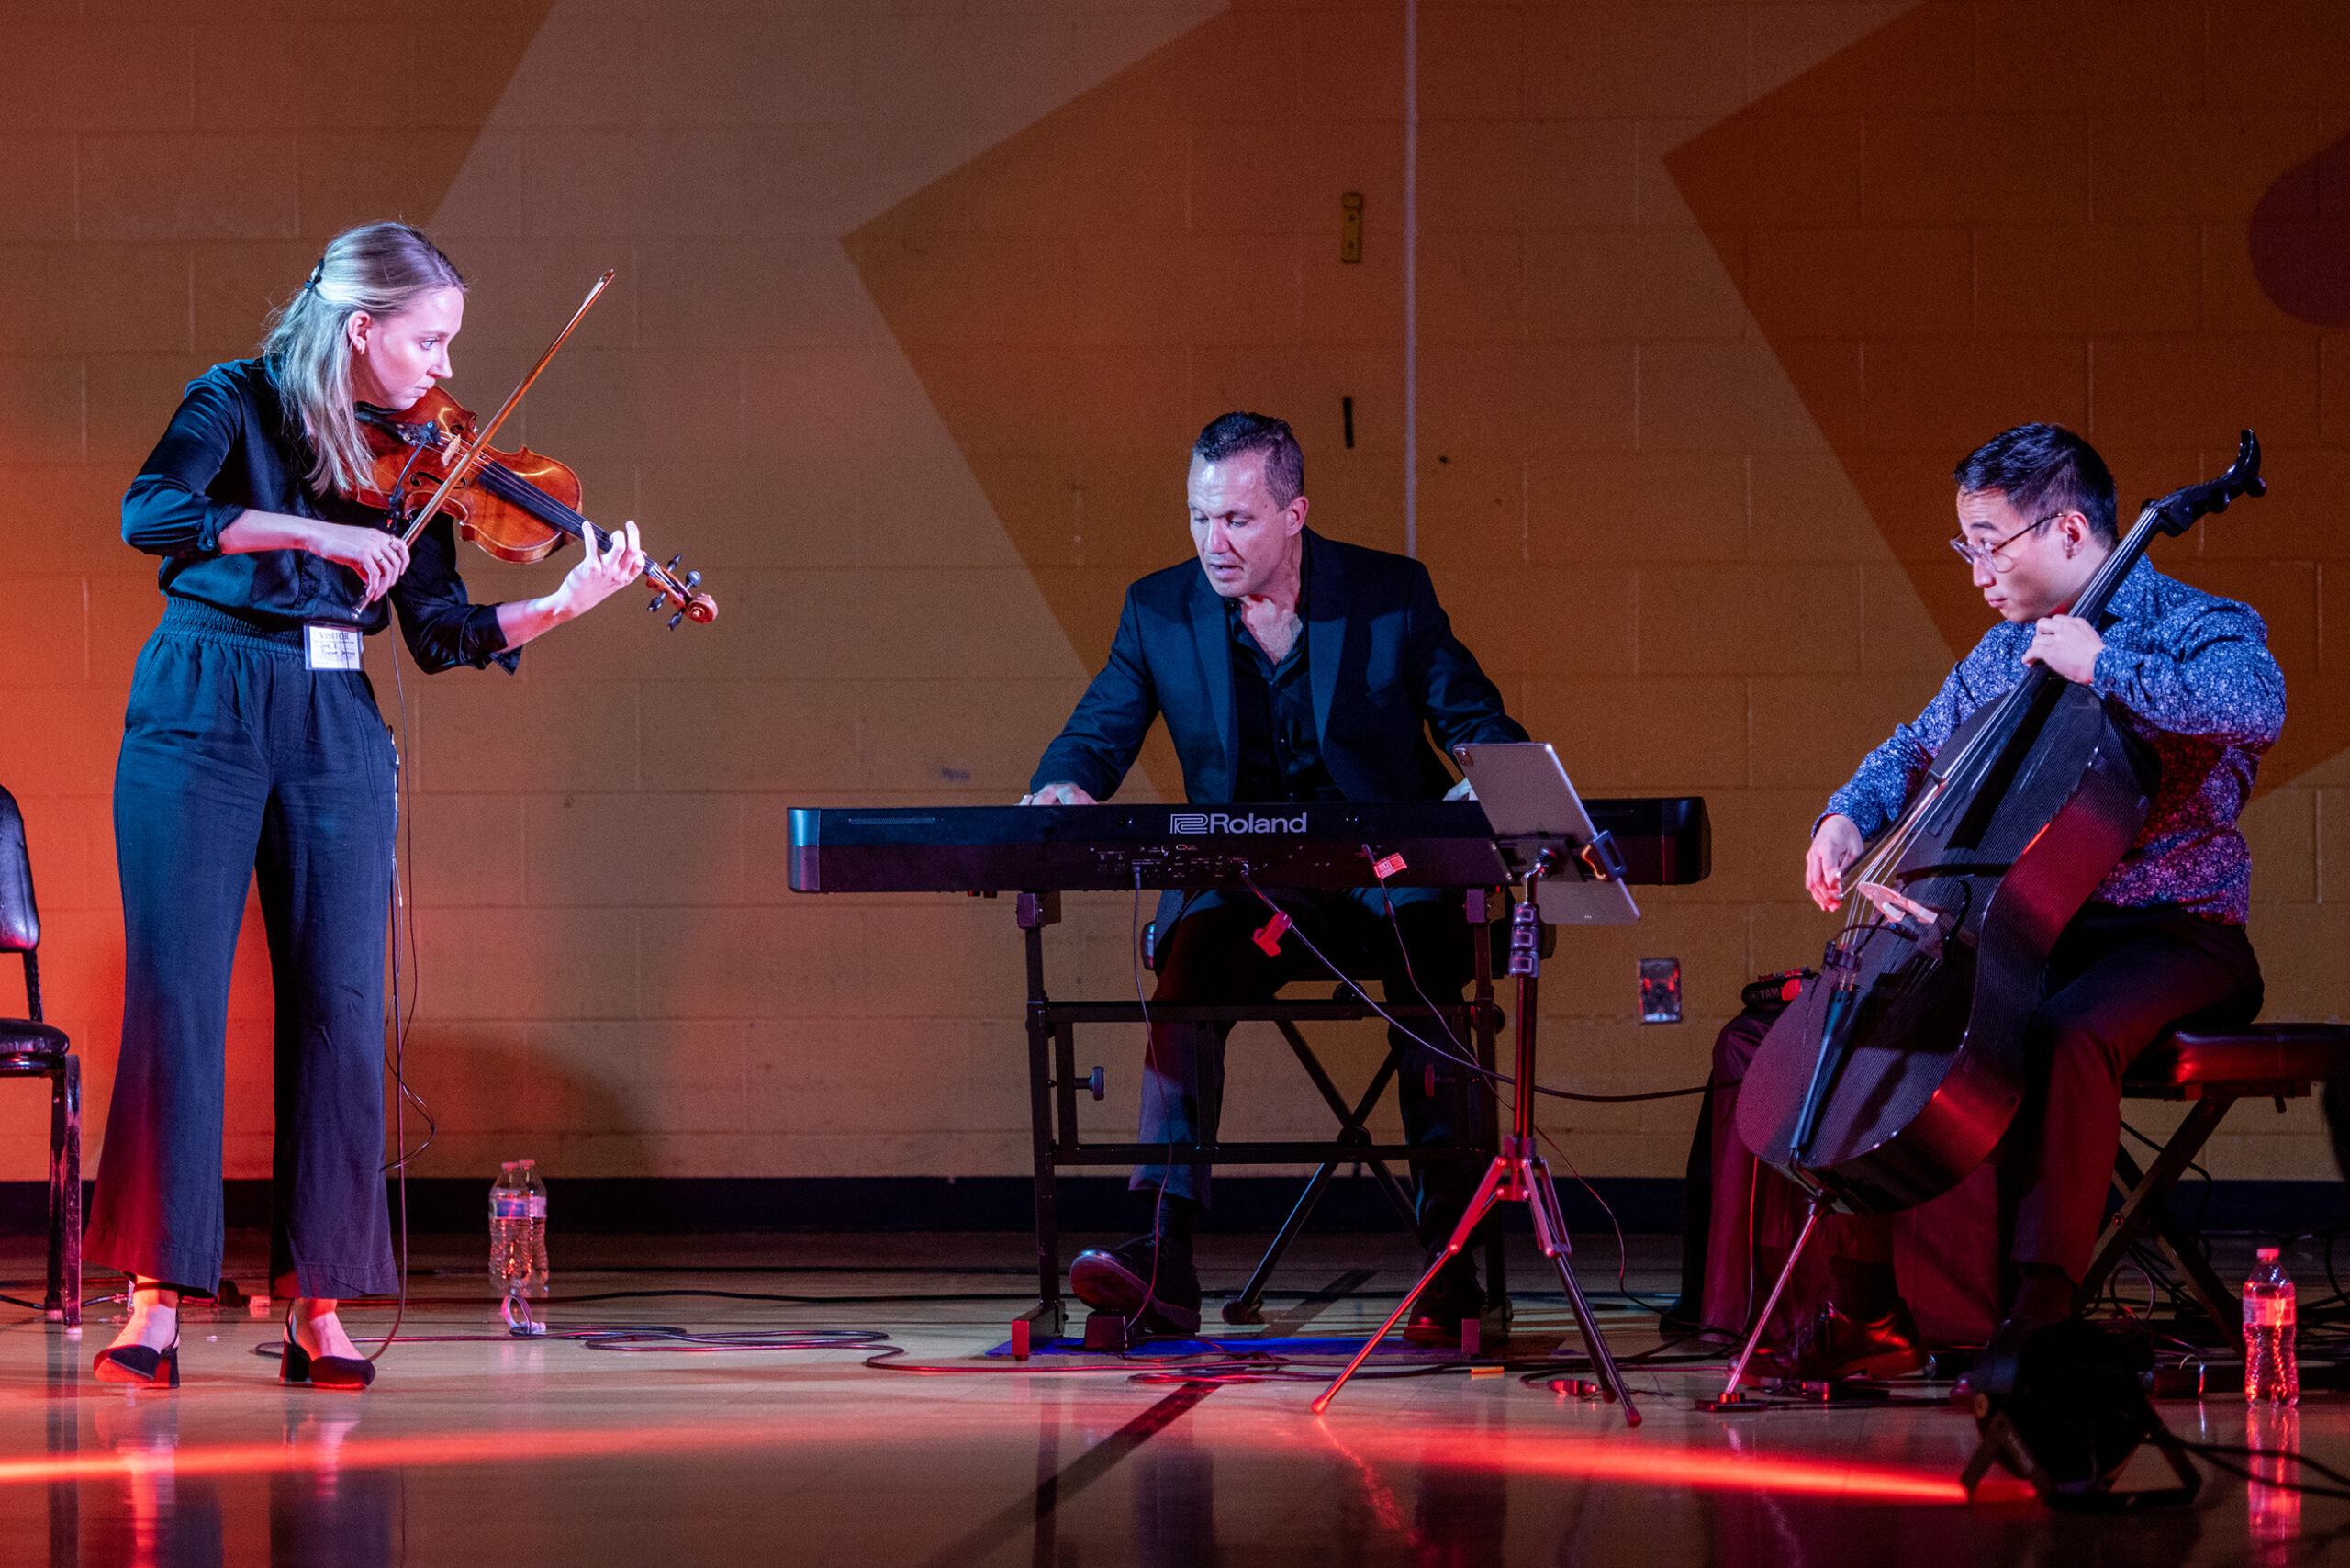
1898,1069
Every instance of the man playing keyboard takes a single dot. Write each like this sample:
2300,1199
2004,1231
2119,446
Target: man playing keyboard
1289,666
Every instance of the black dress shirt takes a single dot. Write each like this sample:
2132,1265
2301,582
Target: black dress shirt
229,449
1281,759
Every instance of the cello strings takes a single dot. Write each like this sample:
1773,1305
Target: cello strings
1977,756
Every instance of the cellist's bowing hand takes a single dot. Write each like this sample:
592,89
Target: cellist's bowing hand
601,573
1835,845
2067,644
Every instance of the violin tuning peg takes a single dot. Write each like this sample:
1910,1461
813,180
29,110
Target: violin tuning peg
693,581
655,604
675,619
673,560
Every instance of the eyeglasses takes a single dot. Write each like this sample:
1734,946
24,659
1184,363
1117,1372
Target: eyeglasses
1988,555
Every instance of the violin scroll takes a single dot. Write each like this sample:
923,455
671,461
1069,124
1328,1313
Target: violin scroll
685,592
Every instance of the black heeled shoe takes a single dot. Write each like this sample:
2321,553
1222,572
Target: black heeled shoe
142,1366
349,1375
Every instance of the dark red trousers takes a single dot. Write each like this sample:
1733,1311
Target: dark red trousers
2116,979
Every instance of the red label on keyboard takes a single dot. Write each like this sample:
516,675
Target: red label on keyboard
1269,939
1386,867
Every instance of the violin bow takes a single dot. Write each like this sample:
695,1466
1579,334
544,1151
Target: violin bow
462,464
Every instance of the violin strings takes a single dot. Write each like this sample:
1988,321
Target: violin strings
508,485
505,483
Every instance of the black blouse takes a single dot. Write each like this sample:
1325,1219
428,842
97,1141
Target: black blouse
229,449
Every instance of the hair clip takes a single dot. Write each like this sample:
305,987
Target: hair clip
316,274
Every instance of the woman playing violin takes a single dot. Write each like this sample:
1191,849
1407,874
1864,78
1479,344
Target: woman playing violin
252,750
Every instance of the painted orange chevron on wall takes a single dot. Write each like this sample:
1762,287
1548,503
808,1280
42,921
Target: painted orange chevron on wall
2124,218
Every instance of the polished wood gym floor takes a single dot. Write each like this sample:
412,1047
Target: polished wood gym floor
479,1449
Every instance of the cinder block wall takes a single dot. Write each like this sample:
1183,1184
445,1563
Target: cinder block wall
916,314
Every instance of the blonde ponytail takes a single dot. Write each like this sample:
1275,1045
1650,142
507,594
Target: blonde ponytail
380,268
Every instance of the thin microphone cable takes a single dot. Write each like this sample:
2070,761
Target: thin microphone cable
1622,1254
1471,1062
403,919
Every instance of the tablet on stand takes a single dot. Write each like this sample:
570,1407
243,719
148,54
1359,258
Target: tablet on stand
1532,806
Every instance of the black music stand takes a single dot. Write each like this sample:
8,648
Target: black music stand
1570,874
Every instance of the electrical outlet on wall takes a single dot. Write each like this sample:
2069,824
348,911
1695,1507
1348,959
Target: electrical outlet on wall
1660,990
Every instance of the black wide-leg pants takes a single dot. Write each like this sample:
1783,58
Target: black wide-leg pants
238,763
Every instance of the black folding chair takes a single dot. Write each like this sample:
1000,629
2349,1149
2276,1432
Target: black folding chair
30,1048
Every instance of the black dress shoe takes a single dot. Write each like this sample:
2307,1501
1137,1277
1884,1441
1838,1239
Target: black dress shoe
346,1374
1147,1280
1829,1347
142,1366
1452,1299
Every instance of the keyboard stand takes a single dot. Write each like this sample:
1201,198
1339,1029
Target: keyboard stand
1054,1082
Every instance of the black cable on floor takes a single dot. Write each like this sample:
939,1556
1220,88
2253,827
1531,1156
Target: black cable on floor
646,1336
2222,1457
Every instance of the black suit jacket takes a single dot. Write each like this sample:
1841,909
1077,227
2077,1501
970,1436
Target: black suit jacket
1386,671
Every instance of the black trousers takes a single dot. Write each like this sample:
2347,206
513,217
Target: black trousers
2116,979
1208,958
240,764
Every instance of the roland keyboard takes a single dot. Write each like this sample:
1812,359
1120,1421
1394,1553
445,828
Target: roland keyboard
1322,844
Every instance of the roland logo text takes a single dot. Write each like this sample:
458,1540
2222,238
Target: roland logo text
1225,822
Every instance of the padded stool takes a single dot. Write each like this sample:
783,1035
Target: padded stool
2215,1069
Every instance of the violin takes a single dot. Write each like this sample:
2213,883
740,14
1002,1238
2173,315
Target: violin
518,504
1898,1068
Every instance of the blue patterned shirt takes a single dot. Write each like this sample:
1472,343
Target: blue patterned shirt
2192,676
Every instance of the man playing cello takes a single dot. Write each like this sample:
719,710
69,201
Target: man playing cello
2162,939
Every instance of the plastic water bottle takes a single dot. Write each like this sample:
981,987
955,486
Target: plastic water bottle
2271,1374
518,1230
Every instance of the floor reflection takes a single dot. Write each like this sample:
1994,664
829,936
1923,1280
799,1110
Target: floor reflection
2272,1515
1174,1503
161,1506
478,1451
159,1518
326,1515
61,1434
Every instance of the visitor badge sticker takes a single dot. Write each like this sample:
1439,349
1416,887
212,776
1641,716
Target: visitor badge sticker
330,647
